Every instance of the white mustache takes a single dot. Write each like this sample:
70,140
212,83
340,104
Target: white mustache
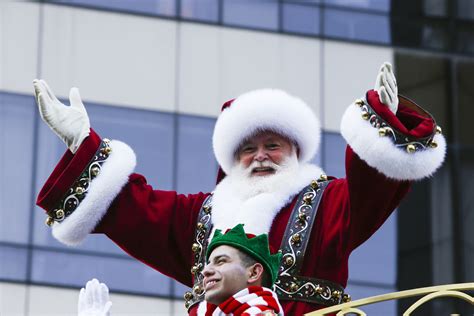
262,164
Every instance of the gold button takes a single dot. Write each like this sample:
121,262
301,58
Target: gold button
319,289
95,170
197,289
433,144
207,209
293,287
307,199
200,226
195,269
359,102
365,115
289,261
80,190
439,130
323,177
302,217
382,131
336,294
314,184
346,298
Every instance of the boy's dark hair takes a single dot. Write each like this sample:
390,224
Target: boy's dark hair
248,261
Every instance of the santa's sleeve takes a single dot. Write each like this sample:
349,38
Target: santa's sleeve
385,153
95,190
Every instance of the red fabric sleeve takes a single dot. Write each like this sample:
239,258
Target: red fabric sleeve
68,169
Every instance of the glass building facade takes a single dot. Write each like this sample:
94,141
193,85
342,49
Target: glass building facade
179,60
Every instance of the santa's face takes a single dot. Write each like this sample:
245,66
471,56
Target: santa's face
263,153
224,275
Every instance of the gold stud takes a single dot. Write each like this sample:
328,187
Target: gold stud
323,177
95,170
296,238
346,298
433,144
336,294
319,289
307,199
188,296
197,290
80,190
382,131
359,102
293,287
314,184
195,247
411,148
107,150
365,115
302,217
59,213
49,221
289,261
439,130
206,209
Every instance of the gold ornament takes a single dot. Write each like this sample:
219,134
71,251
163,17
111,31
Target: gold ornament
359,102
49,221
411,148
365,115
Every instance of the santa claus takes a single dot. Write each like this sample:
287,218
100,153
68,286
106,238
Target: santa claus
263,141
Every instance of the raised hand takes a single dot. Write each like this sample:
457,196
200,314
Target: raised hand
386,86
94,300
70,123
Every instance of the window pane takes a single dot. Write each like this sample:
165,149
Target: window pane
70,269
334,151
379,5
301,19
13,263
255,14
204,10
465,9
197,168
17,117
357,26
158,7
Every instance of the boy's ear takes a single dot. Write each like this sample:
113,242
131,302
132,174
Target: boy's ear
255,273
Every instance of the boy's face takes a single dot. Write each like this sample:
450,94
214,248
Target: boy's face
224,275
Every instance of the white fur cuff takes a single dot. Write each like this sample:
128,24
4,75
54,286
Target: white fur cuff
102,191
381,153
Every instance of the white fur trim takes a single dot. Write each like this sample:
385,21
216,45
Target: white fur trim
382,154
102,191
265,109
257,213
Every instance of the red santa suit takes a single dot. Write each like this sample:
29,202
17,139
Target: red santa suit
157,227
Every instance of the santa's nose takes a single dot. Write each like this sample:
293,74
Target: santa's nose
261,154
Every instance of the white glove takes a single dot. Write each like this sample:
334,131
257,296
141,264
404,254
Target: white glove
386,86
94,300
70,123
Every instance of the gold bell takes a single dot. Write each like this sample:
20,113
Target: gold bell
79,190
336,294
293,287
197,289
200,226
411,148
296,238
314,184
433,144
346,298
195,269
195,247
439,130
49,221
188,296
95,171
59,213
107,150
323,177
207,209
365,115
307,199
359,102
382,131
289,261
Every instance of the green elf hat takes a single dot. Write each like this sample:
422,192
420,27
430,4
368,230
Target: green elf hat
255,246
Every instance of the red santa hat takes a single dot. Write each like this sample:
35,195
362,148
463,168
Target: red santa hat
265,109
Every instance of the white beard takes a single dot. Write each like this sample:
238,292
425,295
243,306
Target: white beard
255,201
